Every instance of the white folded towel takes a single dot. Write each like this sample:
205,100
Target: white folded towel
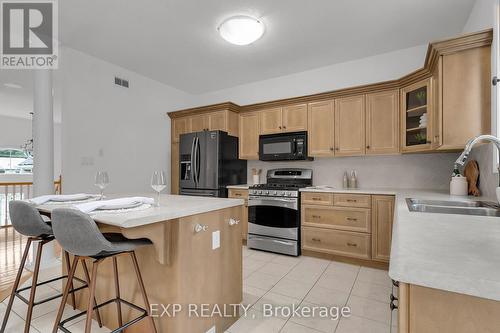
91,206
60,197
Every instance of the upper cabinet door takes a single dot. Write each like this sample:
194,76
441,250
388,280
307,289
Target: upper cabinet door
270,121
294,118
180,126
217,121
320,134
249,136
350,126
382,123
417,116
199,123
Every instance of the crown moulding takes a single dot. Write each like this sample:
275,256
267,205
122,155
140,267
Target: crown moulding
435,49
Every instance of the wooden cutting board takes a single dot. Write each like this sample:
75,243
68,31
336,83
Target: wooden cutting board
471,172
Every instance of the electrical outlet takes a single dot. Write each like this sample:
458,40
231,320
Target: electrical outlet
215,240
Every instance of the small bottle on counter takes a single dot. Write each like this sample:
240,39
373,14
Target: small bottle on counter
353,183
345,181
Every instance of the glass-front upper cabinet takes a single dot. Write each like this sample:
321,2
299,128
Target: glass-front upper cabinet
416,101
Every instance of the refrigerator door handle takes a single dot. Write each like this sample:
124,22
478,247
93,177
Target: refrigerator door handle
193,160
197,159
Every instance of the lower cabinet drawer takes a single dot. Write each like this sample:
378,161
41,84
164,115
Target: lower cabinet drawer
237,193
345,243
349,219
352,200
317,198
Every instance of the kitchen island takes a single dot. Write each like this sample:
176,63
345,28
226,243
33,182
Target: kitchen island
195,259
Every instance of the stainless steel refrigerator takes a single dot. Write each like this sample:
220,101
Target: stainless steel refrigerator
209,162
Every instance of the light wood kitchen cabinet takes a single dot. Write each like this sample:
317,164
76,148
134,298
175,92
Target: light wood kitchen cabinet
337,242
417,116
427,310
241,194
294,118
270,121
350,126
352,200
317,198
382,123
291,118
249,136
464,101
180,126
320,135
199,123
382,219
174,168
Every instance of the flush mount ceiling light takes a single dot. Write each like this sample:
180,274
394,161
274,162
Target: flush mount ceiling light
241,30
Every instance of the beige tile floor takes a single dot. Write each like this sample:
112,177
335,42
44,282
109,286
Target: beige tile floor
269,279
281,280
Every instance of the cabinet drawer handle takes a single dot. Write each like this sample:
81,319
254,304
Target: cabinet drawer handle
316,240
316,216
233,222
316,199
284,127
351,219
352,200
238,194
200,227
352,244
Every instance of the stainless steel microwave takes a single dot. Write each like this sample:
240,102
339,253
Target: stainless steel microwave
283,147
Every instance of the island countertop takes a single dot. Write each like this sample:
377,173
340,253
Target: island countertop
171,207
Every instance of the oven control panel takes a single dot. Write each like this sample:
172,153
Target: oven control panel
274,193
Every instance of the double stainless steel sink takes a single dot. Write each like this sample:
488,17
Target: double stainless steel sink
480,208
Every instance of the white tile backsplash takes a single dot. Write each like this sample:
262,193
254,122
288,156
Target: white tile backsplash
416,171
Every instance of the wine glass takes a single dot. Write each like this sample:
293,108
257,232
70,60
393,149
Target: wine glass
158,183
102,181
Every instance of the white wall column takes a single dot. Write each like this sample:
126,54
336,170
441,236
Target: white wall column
43,133
43,148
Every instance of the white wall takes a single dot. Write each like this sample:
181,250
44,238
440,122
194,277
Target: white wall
483,17
383,67
106,127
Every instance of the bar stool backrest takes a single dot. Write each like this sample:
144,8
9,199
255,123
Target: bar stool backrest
77,233
26,219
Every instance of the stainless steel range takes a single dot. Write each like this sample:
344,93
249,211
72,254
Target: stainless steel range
274,211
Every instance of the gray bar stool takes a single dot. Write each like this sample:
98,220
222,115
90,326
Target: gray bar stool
27,221
79,235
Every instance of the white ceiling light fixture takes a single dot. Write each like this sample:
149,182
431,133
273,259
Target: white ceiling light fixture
241,29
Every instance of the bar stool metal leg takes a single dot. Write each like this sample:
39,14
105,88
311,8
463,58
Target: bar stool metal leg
16,284
117,292
71,274
143,291
34,281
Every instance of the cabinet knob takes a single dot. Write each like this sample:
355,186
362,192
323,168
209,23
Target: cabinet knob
279,127
367,147
200,227
392,306
393,298
233,222
337,148
395,283
331,148
284,127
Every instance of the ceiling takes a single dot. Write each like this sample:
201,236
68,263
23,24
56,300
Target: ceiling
176,41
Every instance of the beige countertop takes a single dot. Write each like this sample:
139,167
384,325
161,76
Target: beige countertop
171,207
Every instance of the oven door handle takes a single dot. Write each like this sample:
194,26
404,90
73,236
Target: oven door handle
277,202
272,240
